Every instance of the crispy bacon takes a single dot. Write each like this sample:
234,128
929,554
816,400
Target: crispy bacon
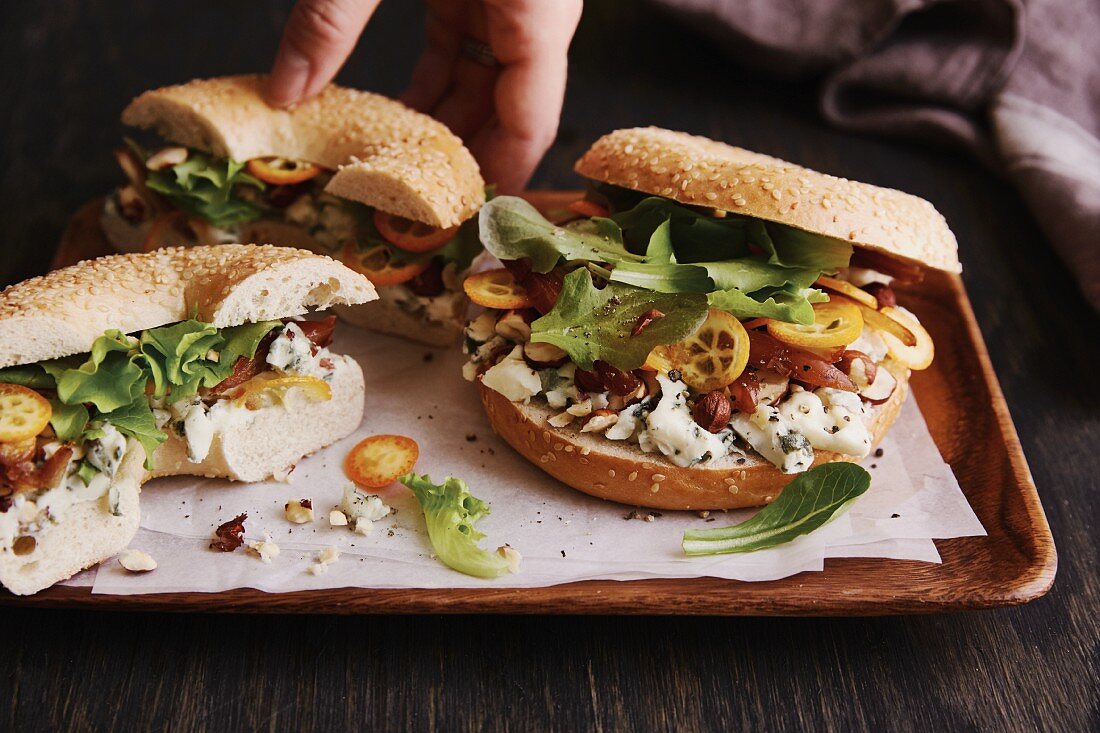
318,332
26,475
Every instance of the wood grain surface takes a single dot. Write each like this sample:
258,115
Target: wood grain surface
1014,564
68,68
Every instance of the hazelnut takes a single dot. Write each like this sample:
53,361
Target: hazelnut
883,293
859,367
712,411
299,511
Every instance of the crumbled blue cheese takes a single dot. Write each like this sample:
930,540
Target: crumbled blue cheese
671,429
482,328
105,452
871,344
831,419
198,423
292,353
361,509
513,378
772,437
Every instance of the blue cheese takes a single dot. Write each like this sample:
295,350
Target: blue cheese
513,378
292,353
361,509
671,429
773,437
831,419
105,453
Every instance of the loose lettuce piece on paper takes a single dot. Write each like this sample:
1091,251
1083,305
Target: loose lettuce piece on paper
807,503
450,512
512,229
206,187
590,324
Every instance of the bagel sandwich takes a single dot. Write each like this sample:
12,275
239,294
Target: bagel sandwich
709,324
350,174
180,361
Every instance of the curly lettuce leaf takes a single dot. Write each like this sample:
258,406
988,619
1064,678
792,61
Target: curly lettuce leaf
450,513
68,421
112,375
206,187
590,324
511,229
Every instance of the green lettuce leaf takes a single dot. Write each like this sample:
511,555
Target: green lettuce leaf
137,421
28,375
590,324
68,421
206,187
751,275
778,303
511,229
450,512
111,376
807,503
86,472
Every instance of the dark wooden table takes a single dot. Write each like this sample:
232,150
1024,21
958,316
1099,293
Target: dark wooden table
67,69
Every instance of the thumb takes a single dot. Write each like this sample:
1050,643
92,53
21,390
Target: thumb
318,38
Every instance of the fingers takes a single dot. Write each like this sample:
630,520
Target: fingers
531,40
432,74
318,38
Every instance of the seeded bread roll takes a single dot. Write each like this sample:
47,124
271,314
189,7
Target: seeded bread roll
385,154
697,171
64,311
620,471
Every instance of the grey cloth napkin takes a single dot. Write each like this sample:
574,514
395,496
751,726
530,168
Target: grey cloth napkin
1017,82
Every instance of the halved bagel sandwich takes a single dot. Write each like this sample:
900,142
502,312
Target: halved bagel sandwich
711,322
351,174
178,361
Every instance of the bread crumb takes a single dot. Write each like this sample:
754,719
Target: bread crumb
337,518
265,549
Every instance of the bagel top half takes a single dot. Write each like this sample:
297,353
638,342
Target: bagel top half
63,312
698,171
384,154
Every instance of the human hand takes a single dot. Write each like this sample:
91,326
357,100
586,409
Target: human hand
507,112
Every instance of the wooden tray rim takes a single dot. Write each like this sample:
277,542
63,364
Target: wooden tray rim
798,595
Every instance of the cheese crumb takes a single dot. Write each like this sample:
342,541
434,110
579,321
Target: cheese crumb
337,518
299,511
265,548
137,561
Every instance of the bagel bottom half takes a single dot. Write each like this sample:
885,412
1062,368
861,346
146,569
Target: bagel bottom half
620,471
269,443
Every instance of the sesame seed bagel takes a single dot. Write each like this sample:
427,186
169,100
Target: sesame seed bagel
620,471
269,442
698,171
385,155
65,311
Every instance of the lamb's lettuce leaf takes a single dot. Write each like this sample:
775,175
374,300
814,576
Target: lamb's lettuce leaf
779,303
592,324
807,503
208,187
511,229
450,513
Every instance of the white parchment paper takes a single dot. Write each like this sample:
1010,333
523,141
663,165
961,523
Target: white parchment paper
563,535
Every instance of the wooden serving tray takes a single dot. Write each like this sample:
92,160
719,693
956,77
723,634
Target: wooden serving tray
966,414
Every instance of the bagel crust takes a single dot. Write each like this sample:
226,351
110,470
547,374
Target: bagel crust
701,172
621,472
63,312
385,155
